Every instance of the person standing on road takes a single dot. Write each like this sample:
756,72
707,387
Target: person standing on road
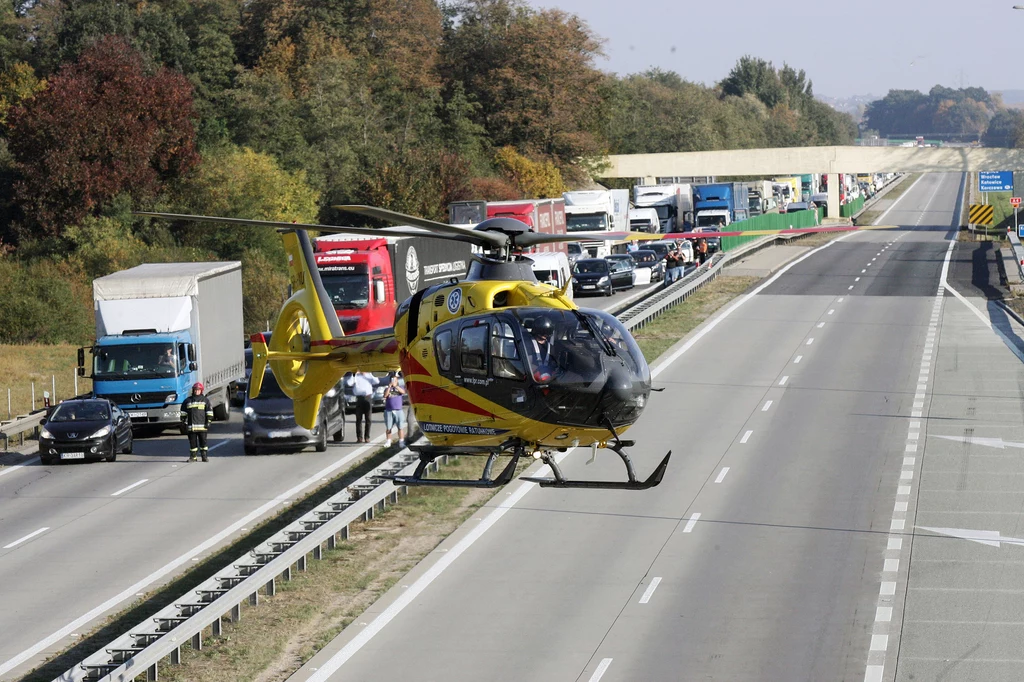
394,412
197,413
362,384
702,250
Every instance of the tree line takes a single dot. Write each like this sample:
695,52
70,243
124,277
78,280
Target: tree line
281,109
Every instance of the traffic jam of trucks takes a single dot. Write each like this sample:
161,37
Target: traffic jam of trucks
162,327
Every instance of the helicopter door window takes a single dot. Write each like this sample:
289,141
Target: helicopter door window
443,350
473,349
505,356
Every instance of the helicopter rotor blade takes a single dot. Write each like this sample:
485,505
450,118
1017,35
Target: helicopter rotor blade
492,240
531,238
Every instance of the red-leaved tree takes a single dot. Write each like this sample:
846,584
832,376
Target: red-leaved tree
103,126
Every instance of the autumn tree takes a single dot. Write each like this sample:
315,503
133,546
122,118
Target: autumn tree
532,75
103,126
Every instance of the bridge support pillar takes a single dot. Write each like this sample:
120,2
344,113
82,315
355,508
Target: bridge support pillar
833,194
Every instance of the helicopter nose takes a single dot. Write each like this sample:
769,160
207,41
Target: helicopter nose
619,384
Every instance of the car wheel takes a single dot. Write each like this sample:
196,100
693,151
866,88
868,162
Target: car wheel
321,441
131,444
250,450
610,290
339,435
113,449
47,461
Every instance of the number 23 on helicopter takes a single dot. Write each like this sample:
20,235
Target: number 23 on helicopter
495,365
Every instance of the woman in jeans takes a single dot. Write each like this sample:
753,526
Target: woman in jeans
394,414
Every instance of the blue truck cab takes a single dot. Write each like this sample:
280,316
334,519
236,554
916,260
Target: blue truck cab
160,328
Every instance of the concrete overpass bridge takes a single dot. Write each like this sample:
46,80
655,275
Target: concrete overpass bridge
823,160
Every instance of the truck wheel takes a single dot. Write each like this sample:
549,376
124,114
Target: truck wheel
220,412
183,430
321,441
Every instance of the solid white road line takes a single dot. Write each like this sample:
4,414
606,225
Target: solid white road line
127,488
139,586
602,668
27,537
223,442
692,522
649,592
7,470
722,473
746,436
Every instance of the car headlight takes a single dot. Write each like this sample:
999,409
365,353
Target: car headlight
575,281
105,431
248,413
603,280
170,398
43,433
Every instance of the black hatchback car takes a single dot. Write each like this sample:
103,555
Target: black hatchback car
85,429
598,275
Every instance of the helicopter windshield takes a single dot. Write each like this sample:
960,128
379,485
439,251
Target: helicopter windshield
567,345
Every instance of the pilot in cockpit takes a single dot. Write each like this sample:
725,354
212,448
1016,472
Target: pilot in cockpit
540,346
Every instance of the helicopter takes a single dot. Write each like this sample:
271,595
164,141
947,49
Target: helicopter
495,365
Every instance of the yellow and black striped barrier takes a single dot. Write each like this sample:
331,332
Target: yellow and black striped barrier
980,214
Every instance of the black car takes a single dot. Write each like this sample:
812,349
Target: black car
269,421
598,275
240,386
85,429
660,248
647,258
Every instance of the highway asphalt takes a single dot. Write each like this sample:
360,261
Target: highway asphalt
77,541
778,545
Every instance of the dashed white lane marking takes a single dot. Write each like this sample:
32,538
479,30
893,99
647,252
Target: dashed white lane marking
879,642
810,341
797,359
895,543
820,325
850,288
649,592
831,311
602,668
888,588
856,279
767,404
874,673
783,380
133,485
691,522
746,436
722,473
27,537
883,614
863,271
891,566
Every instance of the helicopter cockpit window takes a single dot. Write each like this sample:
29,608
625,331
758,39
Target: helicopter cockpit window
473,349
504,354
443,350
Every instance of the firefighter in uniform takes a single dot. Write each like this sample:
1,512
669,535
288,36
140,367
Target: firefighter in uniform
197,413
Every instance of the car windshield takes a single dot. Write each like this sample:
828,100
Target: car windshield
347,291
270,388
575,248
586,223
81,411
135,360
645,257
708,220
591,266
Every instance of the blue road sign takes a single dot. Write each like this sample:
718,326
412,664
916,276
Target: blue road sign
995,181
1020,230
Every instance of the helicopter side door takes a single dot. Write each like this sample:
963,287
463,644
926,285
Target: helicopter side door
482,356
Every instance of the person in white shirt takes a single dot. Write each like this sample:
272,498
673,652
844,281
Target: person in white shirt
362,384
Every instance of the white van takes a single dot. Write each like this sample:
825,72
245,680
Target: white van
552,268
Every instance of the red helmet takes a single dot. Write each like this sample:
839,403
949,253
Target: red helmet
198,386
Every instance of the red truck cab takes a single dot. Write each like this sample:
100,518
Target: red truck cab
358,277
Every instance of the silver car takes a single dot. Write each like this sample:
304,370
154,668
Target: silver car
269,421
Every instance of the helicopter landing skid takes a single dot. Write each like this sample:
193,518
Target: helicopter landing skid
429,453
560,481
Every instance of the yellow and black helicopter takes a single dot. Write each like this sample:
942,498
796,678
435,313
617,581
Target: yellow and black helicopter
497,364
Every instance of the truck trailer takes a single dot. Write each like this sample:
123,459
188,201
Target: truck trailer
673,202
367,278
597,211
720,203
546,216
160,328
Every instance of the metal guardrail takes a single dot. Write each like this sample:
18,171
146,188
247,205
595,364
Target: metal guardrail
19,425
140,650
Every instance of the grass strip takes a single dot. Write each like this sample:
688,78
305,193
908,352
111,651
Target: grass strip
21,365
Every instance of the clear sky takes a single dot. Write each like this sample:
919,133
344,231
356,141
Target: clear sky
847,48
